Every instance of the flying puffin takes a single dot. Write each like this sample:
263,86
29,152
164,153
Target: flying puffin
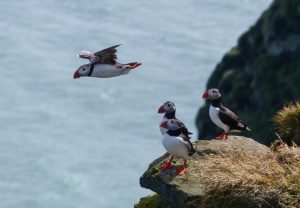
222,116
175,143
170,110
103,64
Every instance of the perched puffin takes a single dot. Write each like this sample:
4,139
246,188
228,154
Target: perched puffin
175,143
103,64
222,116
170,110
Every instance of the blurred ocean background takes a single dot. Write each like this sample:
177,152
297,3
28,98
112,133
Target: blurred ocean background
84,143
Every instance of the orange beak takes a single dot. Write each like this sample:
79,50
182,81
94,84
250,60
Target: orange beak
76,75
205,95
161,109
164,124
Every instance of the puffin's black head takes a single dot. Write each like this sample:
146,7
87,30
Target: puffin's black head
84,70
212,94
173,126
167,107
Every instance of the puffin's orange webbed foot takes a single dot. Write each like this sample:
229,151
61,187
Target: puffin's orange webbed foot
166,166
180,171
222,136
135,65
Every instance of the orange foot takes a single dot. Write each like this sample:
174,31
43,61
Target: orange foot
180,171
166,166
222,136
133,66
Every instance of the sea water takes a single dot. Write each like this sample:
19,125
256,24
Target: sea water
84,143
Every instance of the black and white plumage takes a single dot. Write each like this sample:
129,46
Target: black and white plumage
222,116
103,64
175,143
169,109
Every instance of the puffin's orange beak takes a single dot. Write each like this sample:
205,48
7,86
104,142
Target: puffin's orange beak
205,95
164,124
76,75
161,109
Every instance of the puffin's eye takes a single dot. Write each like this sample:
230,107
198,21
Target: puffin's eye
214,91
169,105
83,69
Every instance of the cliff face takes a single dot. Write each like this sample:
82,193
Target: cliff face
237,172
260,74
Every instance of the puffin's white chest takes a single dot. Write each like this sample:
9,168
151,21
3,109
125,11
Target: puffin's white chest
214,116
107,70
163,130
175,146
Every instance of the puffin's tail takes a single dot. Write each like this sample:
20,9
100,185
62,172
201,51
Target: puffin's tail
243,126
192,150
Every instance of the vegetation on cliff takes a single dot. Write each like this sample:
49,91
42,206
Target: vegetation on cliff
287,122
151,201
260,74
237,172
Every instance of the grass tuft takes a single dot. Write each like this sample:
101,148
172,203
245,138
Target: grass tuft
287,122
266,180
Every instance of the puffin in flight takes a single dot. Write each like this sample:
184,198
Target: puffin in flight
103,64
176,144
169,109
222,116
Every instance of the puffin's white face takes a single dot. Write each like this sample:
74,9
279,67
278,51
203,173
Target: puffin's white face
84,70
167,107
212,94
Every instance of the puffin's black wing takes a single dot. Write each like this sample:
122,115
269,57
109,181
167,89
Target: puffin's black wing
185,135
107,56
184,129
188,144
231,119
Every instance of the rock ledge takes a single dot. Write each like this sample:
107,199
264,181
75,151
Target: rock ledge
237,172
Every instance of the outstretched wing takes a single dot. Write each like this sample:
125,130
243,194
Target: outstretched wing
106,56
231,119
